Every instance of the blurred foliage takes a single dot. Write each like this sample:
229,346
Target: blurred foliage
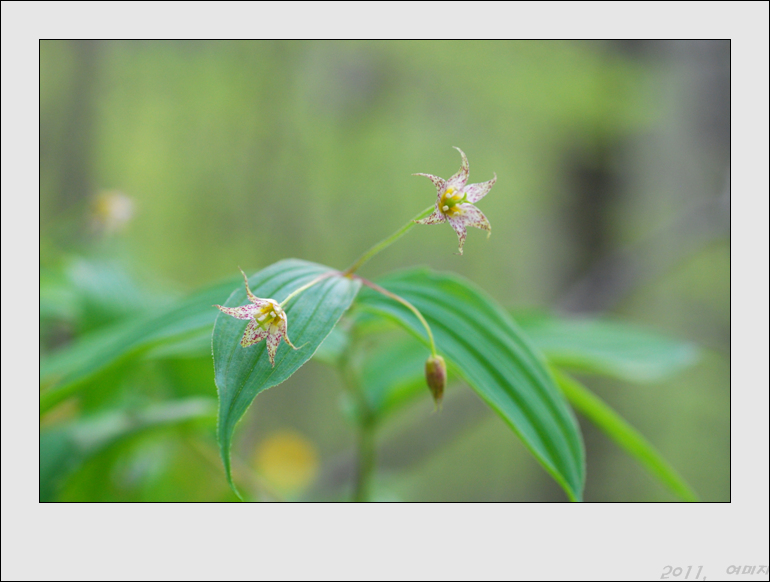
166,165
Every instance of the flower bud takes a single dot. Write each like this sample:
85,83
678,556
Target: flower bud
435,376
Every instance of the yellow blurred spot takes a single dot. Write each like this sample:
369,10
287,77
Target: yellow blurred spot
111,210
288,460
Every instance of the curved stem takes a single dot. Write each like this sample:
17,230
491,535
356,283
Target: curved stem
296,292
406,304
386,242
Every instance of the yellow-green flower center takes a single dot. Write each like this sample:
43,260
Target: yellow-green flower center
450,201
268,314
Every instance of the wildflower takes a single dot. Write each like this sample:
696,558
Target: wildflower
455,202
268,320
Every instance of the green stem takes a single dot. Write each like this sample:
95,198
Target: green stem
386,242
363,259
296,292
365,424
406,304
366,462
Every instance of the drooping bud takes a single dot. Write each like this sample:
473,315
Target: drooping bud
435,376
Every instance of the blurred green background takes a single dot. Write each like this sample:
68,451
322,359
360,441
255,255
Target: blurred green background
166,165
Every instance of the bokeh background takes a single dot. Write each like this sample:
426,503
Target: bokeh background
166,165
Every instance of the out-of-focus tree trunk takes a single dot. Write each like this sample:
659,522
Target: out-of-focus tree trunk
71,143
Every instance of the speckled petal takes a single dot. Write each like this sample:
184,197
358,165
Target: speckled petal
273,341
434,218
458,224
254,299
472,216
243,312
286,331
476,192
461,177
439,183
253,334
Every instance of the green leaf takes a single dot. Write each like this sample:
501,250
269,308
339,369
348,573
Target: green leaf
90,294
333,347
242,373
63,449
616,349
493,356
624,435
393,376
68,370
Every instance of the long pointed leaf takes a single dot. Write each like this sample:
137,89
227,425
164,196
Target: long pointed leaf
242,373
494,357
624,435
611,348
65,372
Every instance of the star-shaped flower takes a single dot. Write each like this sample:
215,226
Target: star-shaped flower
455,202
268,320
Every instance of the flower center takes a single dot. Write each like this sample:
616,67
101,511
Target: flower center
268,314
450,201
